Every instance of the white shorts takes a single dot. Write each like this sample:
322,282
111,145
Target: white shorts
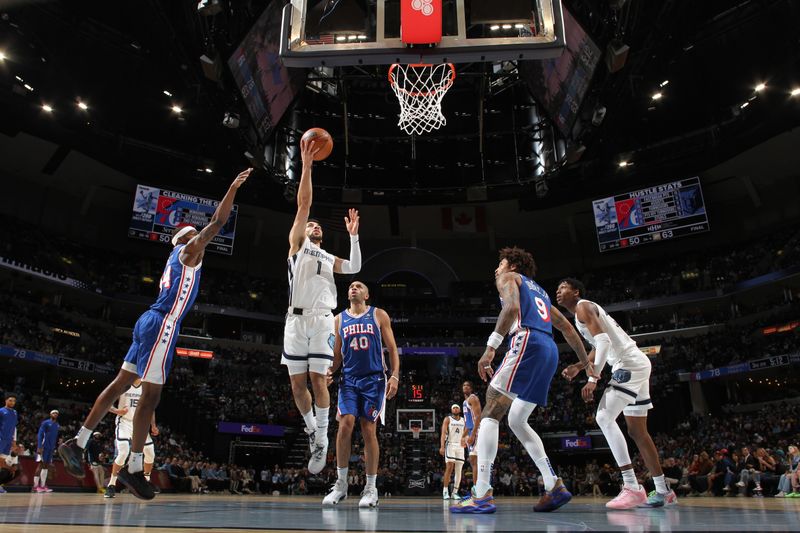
631,380
453,453
123,434
308,342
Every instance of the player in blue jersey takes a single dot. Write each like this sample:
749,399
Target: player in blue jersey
361,333
8,441
46,442
150,355
522,380
472,418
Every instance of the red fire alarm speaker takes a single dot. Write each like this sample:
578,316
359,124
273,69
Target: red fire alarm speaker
421,21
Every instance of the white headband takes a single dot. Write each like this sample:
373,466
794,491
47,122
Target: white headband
455,405
180,233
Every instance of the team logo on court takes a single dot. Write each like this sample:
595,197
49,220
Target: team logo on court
425,6
331,340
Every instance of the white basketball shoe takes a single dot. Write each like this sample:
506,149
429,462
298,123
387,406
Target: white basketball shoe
369,498
337,494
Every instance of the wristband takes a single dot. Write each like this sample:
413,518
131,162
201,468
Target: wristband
592,379
395,378
495,340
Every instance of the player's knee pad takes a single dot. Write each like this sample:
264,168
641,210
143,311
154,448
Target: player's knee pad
123,450
149,454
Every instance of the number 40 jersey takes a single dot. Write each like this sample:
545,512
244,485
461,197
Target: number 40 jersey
362,349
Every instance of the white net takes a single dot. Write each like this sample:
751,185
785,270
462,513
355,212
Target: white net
420,89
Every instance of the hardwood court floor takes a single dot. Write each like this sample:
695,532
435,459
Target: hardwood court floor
71,513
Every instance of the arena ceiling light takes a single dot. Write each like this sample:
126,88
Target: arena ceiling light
664,83
166,92
82,105
3,55
657,96
795,92
177,109
623,164
760,87
47,108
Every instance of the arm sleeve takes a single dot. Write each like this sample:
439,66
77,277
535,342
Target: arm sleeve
602,345
352,265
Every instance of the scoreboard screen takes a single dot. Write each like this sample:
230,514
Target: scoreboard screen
416,393
158,212
659,213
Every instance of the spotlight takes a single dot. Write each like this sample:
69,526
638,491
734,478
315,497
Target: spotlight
760,87
506,26
494,27
664,83
208,170
341,38
795,91
362,37
657,96
46,108
744,105
352,37
82,105
2,56
168,93
519,26
623,164
28,87
177,109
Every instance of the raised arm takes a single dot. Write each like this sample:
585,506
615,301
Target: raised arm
572,337
304,194
385,323
352,265
195,248
508,287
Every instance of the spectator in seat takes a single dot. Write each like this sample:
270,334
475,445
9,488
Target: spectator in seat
789,484
194,480
698,473
177,476
673,472
750,470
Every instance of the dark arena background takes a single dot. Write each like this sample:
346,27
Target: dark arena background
648,149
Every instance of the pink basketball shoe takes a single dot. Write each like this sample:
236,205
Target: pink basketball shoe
628,499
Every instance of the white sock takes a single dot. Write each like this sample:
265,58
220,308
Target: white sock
43,478
311,422
83,436
371,481
113,480
147,477
629,478
341,474
487,451
136,462
322,422
661,484
35,481
549,475
457,482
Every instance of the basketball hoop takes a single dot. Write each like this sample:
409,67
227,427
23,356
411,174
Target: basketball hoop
420,88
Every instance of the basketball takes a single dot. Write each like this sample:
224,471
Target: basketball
322,139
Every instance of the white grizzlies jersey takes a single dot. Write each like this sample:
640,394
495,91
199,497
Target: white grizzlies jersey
311,284
623,348
455,431
129,399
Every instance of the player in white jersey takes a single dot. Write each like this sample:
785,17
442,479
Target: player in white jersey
123,432
453,440
308,336
627,392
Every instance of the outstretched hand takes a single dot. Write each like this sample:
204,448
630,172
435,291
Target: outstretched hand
308,149
241,178
351,222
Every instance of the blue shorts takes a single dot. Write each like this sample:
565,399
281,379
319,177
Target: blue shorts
5,446
363,397
47,456
528,367
153,346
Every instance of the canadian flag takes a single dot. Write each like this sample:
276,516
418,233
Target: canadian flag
467,219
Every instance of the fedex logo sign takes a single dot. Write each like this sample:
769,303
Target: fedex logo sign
250,429
576,443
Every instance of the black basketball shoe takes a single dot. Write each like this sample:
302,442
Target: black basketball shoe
137,484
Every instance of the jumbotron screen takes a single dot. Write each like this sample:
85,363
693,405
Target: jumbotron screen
658,213
157,213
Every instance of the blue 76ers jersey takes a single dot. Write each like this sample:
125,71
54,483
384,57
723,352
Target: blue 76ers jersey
534,308
362,350
467,410
178,287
